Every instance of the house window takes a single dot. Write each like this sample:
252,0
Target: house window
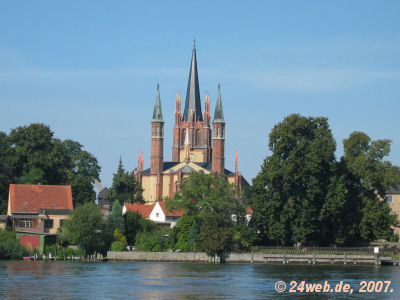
389,199
157,215
25,223
48,223
62,222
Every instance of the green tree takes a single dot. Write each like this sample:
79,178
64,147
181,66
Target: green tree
31,155
215,235
116,219
291,187
135,223
372,176
6,170
125,188
201,194
86,227
209,202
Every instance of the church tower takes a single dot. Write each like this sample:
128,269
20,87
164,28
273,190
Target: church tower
157,144
193,121
218,138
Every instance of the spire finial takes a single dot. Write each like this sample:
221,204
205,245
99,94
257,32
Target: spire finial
158,86
219,87
194,43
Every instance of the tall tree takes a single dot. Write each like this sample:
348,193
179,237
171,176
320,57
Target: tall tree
125,187
87,228
116,219
31,155
6,170
291,186
209,201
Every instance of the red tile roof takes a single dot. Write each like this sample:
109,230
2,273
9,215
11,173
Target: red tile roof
142,209
31,198
249,211
174,213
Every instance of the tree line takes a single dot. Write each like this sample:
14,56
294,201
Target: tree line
304,195
32,155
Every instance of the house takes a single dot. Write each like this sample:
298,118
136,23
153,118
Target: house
37,211
155,212
393,199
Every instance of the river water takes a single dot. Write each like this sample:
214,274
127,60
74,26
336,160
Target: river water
152,280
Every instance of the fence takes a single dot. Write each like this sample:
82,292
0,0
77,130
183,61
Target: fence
324,250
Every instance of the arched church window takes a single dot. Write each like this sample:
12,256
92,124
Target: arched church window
217,131
182,137
161,131
198,137
222,132
156,131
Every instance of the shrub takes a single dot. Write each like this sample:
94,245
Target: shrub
12,250
117,246
394,238
151,241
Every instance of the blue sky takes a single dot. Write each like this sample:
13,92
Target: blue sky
89,69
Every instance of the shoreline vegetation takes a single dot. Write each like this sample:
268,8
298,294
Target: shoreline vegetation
303,197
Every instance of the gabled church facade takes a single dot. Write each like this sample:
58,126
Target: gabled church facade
198,143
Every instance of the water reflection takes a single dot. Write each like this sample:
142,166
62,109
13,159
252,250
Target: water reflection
118,280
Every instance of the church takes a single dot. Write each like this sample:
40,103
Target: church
198,143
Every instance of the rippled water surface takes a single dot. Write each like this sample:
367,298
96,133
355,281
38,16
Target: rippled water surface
145,280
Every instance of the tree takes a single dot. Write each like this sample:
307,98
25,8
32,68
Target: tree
135,223
200,194
125,187
215,235
364,177
87,228
6,170
290,189
209,201
31,155
116,219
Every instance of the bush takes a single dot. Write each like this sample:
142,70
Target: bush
12,250
394,238
155,241
119,237
118,246
10,247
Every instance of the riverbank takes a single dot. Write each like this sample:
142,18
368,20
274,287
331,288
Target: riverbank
247,258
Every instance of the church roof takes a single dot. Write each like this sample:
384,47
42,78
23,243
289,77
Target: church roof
188,169
192,103
157,112
219,113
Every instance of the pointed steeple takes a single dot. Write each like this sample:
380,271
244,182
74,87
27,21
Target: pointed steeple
219,113
193,92
157,112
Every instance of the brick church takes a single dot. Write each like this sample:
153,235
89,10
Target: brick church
198,143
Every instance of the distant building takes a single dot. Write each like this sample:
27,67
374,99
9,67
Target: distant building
155,212
393,199
103,203
37,211
198,144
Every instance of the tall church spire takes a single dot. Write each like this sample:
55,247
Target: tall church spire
219,113
193,92
157,112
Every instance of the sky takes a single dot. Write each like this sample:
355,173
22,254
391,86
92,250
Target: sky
89,70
